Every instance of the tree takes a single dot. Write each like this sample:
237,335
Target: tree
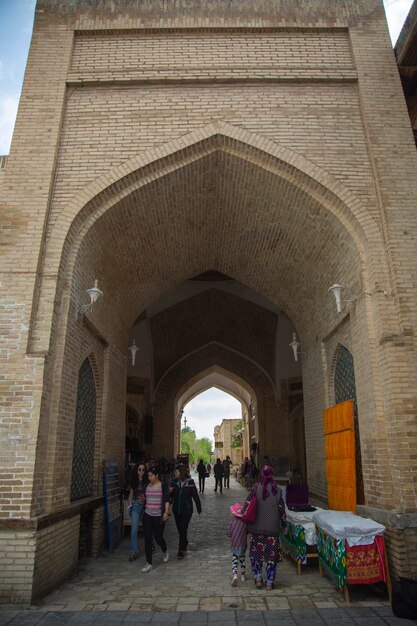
196,448
237,437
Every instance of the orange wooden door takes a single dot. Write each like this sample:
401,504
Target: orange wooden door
339,434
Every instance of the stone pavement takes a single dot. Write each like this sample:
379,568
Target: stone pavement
197,590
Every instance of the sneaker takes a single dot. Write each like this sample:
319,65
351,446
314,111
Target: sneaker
243,578
269,586
133,556
258,584
234,580
147,568
180,554
166,557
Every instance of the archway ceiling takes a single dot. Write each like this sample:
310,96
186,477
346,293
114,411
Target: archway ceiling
225,213
213,316
213,358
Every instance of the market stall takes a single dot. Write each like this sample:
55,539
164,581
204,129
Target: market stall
351,549
300,539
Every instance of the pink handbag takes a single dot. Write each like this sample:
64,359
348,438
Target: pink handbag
251,510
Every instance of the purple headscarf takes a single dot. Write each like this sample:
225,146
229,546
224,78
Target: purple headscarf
267,477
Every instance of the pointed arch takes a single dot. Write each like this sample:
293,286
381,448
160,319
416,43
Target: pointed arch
109,190
219,377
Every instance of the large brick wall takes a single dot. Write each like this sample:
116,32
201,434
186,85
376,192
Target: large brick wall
146,152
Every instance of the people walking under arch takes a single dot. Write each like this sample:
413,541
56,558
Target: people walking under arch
218,471
227,463
265,544
138,483
183,492
201,471
237,532
157,506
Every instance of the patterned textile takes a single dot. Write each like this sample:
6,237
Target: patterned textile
235,561
332,558
265,548
293,543
153,501
366,564
351,565
237,532
270,570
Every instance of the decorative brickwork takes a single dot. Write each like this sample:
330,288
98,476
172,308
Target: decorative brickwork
156,141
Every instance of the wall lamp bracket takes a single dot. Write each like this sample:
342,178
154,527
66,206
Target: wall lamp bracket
94,294
336,289
295,345
132,349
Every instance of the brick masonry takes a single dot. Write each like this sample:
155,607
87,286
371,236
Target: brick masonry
159,140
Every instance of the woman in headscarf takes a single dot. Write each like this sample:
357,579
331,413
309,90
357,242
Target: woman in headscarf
265,543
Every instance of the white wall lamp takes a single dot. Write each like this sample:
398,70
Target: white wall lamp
295,345
95,294
336,289
133,349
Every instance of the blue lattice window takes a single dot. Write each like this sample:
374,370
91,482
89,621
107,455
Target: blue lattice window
345,389
84,434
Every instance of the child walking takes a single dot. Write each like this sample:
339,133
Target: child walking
237,532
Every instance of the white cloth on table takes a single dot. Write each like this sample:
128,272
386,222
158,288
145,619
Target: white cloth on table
304,519
358,531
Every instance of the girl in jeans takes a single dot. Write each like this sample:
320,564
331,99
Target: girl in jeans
156,515
138,483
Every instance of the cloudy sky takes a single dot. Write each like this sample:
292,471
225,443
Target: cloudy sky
16,21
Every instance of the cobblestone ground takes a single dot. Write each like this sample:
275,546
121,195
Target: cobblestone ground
197,589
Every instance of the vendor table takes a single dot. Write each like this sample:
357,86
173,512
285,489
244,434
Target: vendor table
299,540
351,559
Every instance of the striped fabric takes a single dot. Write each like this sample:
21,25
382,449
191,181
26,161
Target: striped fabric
153,501
237,532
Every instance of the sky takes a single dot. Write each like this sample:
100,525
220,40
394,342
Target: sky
208,409
16,22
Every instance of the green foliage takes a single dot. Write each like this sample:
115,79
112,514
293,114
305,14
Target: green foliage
196,448
237,438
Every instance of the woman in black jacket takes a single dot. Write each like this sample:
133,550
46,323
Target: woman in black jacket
201,470
218,475
183,492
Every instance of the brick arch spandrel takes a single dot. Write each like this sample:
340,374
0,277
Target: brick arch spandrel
110,190
272,430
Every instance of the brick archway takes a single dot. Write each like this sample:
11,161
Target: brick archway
215,355
215,376
219,198
228,382
249,153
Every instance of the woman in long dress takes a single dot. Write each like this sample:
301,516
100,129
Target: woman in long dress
265,544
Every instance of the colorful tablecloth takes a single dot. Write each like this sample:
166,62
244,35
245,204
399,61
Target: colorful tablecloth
351,565
293,542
